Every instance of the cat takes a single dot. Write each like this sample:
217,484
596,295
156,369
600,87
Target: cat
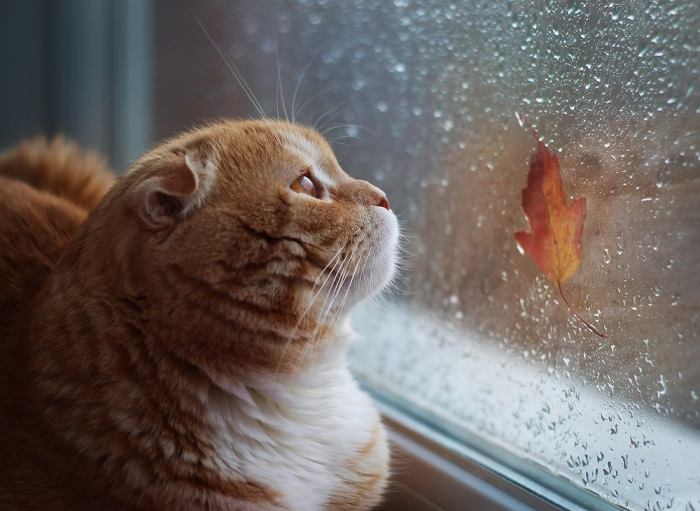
177,340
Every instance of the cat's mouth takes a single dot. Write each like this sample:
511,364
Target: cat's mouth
370,260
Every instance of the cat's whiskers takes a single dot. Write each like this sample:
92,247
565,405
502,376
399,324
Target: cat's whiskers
335,287
362,270
346,270
337,140
352,279
312,97
327,127
325,114
320,289
349,270
334,127
233,68
300,81
340,308
316,292
333,272
337,278
279,94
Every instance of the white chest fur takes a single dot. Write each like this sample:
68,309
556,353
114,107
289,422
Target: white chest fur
296,438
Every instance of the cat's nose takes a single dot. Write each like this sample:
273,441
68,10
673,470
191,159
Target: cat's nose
365,193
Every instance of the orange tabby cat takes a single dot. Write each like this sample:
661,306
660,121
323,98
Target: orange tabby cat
184,347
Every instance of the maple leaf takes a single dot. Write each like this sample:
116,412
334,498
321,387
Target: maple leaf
554,243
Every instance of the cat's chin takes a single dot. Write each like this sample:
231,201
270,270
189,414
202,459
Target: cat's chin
377,272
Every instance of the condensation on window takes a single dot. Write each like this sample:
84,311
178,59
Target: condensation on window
421,97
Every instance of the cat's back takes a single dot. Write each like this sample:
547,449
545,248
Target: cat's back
35,227
41,209
47,190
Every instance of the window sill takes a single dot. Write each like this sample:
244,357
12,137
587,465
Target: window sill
431,471
538,425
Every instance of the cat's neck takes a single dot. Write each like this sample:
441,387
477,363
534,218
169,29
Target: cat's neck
104,336
300,432
112,391
318,368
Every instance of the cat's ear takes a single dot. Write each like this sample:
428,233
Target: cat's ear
178,184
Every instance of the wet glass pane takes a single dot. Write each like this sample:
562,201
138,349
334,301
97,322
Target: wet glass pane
421,98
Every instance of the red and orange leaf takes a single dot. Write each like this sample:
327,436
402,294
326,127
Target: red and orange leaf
554,243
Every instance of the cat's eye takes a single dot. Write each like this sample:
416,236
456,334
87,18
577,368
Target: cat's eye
304,184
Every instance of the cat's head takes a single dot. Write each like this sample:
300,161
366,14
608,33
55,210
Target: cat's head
248,238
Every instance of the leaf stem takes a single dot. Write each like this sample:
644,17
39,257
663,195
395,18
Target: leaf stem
588,325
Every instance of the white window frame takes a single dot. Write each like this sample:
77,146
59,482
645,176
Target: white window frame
432,471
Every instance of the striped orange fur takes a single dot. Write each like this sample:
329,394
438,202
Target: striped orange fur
183,347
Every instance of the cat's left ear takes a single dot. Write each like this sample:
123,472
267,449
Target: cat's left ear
178,185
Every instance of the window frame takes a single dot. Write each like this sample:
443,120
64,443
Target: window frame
472,475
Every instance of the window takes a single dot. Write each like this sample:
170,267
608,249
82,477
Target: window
475,346
420,98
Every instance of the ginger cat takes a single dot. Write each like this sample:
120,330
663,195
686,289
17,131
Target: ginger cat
183,347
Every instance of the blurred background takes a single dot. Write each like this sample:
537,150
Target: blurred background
78,67
421,98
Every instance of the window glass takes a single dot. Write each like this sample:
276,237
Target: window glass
421,98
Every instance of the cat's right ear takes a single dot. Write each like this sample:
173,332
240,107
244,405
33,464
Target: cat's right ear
177,186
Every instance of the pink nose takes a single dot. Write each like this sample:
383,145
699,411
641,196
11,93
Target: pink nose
364,193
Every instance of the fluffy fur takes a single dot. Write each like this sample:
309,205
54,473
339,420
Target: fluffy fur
184,347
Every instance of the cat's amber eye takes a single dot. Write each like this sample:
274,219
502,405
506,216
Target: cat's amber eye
304,184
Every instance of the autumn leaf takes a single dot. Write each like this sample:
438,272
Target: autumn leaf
554,243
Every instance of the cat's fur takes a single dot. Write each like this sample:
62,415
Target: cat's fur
184,347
